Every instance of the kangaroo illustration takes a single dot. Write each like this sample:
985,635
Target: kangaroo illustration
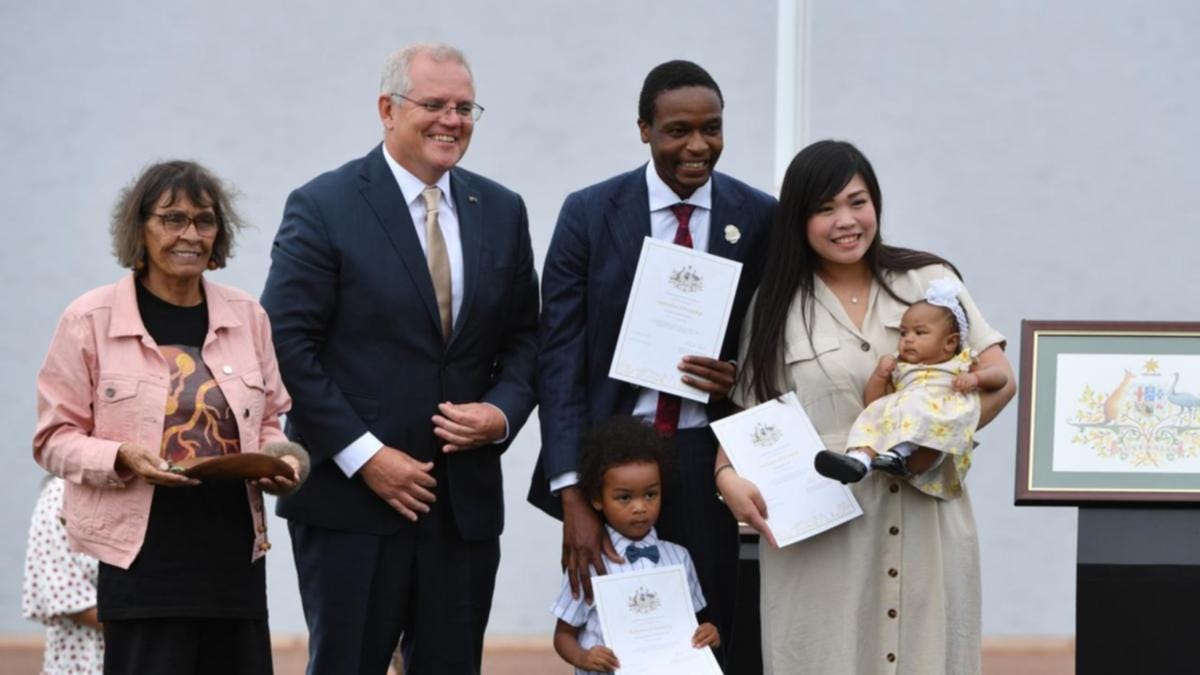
1113,402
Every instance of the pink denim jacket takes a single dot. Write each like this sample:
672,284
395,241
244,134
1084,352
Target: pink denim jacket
104,383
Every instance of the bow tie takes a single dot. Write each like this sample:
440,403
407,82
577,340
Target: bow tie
632,553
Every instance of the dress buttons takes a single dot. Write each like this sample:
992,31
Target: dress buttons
866,346
893,573
894,488
262,529
265,546
892,613
893,530
110,392
891,658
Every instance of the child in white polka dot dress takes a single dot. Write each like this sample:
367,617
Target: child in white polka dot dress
60,591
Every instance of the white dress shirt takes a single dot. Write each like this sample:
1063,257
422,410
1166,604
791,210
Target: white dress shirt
353,456
663,225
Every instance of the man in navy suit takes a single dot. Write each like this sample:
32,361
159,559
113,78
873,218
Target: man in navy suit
586,281
404,306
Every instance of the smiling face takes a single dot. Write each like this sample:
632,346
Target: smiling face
842,229
685,137
176,259
631,498
928,334
429,144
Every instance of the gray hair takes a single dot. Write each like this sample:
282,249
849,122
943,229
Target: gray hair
395,79
137,201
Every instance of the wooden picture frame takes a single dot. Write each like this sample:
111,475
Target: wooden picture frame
1108,412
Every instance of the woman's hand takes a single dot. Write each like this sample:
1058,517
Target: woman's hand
706,635
966,383
151,467
281,485
745,501
992,402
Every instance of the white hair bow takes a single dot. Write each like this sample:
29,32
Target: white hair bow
944,293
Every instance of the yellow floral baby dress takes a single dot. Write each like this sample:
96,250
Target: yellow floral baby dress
924,410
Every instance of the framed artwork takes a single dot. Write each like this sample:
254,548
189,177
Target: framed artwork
1109,412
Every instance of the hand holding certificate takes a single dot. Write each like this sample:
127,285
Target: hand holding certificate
772,445
648,621
679,306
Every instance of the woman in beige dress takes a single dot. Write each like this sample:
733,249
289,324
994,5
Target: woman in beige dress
896,590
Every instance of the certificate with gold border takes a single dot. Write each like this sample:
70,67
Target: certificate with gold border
648,621
679,306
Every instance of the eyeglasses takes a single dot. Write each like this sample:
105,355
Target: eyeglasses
466,111
177,222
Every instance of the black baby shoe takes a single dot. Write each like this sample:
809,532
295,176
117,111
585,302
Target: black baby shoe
839,467
892,463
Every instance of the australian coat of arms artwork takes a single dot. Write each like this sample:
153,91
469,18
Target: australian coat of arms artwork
687,279
1134,413
765,435
643,601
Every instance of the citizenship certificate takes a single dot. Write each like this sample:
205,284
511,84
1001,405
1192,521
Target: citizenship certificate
773,445
679,305
648,621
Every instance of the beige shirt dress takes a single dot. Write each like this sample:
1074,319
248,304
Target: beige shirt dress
895,591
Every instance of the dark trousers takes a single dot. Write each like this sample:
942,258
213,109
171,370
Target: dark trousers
187,647
694,518
362,593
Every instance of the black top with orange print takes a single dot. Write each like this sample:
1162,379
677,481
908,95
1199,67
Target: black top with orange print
193,563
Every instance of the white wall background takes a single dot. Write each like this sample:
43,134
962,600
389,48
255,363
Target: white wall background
1046,148
269,94
1043,147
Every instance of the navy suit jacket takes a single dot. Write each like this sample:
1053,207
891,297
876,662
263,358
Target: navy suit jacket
585,286
359,342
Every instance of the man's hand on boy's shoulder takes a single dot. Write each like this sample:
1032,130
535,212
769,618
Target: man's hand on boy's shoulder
585,543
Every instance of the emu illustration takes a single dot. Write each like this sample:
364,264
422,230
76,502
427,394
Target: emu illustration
1188,403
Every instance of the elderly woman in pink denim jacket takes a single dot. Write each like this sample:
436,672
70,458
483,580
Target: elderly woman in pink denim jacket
161,368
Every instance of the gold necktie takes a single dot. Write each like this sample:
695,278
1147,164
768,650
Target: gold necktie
437,257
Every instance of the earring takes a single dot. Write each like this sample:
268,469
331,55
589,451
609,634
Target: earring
212,263
139,264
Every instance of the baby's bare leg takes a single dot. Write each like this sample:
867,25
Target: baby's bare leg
863,449
922,459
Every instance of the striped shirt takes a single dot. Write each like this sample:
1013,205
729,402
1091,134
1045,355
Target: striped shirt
578,613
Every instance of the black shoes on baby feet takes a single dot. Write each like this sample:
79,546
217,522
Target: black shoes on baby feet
889,462
839,467
847,469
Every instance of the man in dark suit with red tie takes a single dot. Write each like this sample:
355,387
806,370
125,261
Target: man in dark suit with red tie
404,306
587,276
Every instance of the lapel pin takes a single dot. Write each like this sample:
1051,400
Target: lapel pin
472,199
732,234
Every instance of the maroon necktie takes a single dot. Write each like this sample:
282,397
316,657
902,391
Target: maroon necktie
666,416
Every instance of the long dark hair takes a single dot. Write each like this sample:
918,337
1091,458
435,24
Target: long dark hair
816,175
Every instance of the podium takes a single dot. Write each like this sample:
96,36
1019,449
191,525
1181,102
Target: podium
745,646
1109,421
1137,602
